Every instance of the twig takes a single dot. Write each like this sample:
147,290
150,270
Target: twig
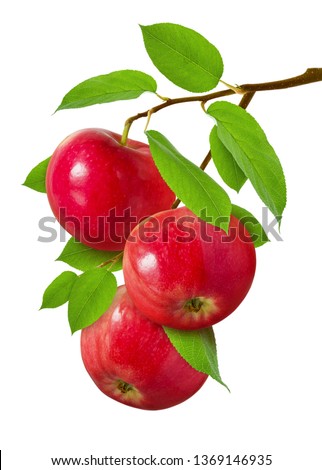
311,75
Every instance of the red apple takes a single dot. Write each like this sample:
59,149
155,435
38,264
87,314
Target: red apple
185,273
99,189
132,360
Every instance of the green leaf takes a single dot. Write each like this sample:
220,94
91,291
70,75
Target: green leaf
58,292
115,86
198,348
246,141
253,226
83,257
36,179
91,295
184,56
225,163
196,189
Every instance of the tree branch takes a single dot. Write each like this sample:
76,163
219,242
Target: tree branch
244,102
311,75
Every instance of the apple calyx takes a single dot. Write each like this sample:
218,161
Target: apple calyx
193,305
201,305
125,387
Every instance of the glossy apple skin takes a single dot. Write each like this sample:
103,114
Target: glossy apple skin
91,174
162,276
124,346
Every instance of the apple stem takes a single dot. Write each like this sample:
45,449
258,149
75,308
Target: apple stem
126,131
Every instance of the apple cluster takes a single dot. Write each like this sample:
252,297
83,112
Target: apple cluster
180,272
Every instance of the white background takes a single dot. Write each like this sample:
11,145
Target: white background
270,350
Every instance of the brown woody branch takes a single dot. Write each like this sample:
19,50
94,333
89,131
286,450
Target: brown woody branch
311,75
